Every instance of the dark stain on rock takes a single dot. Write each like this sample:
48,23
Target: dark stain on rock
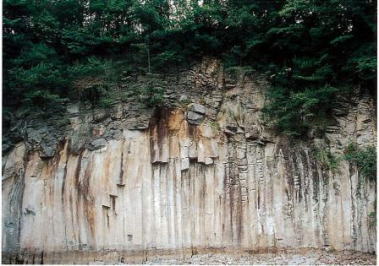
121,177
13,217
296,175
315,177
193,132
106,213
64,179
89,207
77,170
287,194
259,199
158,128
286,151
304,159
84,193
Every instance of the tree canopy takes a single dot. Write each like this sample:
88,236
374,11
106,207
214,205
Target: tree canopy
313,50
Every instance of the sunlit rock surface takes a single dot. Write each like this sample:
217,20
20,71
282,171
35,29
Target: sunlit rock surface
224,181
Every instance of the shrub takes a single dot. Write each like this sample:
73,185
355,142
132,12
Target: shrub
151,96
43,99
295,112
327,159
364,158
93,94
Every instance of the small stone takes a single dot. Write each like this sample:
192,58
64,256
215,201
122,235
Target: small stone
229,86
253,133
229,132
185,164
97,144
139,126
183,98
198,108
78,139
194,118
114,134
47,150
115,125
117,112
208,161
140,123
100,115
73,109
98,130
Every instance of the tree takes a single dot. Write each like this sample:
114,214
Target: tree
312,50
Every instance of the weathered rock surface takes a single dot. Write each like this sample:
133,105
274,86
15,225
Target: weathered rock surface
117,182
196,114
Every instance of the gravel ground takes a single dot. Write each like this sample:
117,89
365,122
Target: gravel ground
288,258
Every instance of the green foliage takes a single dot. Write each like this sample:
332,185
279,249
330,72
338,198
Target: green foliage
108,70
364,158
312,50
167,59
327,159
43,75
106,102
93,94
36,54
43,99
92,66
148,92
214,125
153,96
150,96
94,80
319,48
237,71
295,112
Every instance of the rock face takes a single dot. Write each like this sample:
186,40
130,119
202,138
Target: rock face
224,181
196,113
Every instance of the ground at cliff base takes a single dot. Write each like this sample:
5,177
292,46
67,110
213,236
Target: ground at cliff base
284,258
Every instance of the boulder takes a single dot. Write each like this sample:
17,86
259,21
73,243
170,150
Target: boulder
194,118
100,115
78,139
97,144
73,109
48,148
198,108
196,113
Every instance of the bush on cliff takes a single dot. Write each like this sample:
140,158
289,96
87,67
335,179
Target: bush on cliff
313,50
364,158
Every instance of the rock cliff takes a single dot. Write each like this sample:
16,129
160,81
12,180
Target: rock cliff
204,172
